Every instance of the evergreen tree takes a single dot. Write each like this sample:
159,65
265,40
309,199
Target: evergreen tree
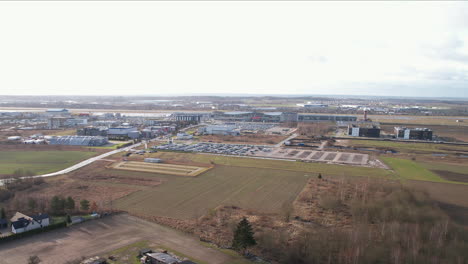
68,219
57,205
2,213
70,203
84,205
320,176
243,236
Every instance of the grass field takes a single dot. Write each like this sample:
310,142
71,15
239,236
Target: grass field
40,162
410,170
451,172
188,197
408,147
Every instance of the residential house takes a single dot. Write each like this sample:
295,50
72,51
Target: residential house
22,223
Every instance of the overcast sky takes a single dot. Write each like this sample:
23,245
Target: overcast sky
368,48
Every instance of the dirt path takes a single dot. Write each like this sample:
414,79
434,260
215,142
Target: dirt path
101,236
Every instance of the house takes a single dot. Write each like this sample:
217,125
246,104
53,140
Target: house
22,223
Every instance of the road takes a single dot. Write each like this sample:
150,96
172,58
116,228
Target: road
98,237
78,165
287,139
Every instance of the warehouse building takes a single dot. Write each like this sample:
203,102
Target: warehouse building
92,131
225,130
78,141
364,130
191,117
122,133
58,112
413,133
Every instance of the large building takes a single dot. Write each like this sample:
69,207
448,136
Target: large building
413,133
191,117
79,141
56,122
225,130
92,131
364,130
58,112
122,133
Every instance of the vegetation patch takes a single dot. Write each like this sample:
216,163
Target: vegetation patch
29,163
411,170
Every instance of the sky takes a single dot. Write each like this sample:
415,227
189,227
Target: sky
283,47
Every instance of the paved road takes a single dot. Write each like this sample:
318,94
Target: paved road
79,165
98,237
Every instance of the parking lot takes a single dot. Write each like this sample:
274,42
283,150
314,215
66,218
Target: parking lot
271,152
217,148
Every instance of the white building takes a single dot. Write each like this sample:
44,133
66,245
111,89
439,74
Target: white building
22,223
184,136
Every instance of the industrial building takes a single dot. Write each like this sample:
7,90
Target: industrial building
92,131
191,117
413,133
79,141
56,122
72,122
184,136
225,130
122,133
364,130
58,112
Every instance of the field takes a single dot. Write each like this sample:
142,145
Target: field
409,147
451,172
285,165
179,170
190,197
410,170
40,162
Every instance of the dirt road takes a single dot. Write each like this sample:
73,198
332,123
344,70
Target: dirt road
101,236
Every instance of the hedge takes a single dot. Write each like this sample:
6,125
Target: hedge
33,232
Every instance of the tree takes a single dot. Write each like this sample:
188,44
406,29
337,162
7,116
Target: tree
34,260
243,236
2,213
320,176
68,219
57,205
31,204
70,203
84,205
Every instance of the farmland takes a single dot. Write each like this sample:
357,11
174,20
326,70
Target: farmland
187,197
41,162
409,147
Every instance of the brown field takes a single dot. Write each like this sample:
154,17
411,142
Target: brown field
171,169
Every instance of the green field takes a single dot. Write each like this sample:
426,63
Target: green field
40,162
410,170
408,147
188,197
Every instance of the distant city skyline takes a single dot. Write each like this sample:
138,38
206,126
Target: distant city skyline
409,49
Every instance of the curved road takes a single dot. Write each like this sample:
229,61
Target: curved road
78,165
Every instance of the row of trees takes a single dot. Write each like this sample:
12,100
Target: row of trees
60,205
